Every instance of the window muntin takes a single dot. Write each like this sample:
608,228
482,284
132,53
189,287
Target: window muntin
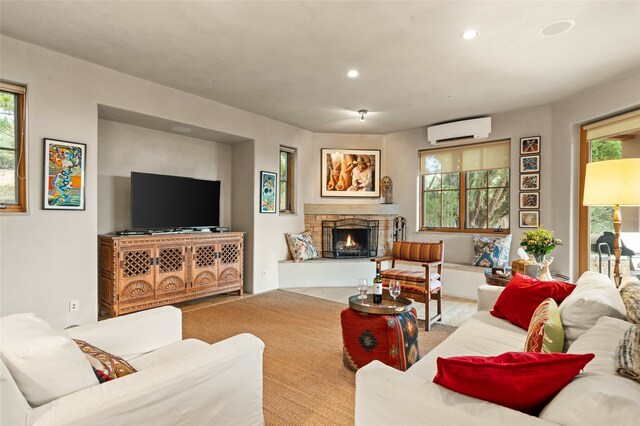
465,189
12,148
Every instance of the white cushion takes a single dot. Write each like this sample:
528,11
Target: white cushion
44,364
595,296
597,396
167,353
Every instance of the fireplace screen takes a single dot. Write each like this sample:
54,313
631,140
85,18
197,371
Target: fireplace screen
350,238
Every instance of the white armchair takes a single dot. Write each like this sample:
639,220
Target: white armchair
177,382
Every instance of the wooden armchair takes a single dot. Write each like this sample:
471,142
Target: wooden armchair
420,285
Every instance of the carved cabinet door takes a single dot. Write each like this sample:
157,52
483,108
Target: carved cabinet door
136,274
231,252
171,269
204,266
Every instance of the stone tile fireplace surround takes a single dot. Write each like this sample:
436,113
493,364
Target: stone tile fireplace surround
314,214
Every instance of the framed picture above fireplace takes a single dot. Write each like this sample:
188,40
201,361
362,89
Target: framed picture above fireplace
350,173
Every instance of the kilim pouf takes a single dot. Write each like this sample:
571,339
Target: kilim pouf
391,339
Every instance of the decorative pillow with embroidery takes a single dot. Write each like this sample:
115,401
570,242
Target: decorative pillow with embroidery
108,366
491,252
301,246
627,359
545,332
630,293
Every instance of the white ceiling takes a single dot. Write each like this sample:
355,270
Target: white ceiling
288,60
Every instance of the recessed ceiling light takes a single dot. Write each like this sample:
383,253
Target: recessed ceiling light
557,27
181,129
469,35
353,73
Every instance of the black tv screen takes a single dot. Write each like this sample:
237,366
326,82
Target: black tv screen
160,201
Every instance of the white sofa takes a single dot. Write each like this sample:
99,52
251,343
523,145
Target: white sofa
597,396
177,382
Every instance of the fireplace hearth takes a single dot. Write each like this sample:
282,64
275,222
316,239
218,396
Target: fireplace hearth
350,238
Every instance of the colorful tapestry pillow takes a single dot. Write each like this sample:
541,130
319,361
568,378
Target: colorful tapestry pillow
523,294
523,381
301,246
630,293
627,360
545,332
107,366
491,252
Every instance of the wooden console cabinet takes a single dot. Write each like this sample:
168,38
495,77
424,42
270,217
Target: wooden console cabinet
147,271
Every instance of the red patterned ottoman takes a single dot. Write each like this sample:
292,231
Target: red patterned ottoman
391,339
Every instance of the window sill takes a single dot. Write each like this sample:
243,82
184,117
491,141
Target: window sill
466,231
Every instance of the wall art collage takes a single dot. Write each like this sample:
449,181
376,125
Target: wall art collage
529,198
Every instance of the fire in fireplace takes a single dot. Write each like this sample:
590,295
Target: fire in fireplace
350,238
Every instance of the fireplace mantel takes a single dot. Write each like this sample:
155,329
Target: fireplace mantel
352,209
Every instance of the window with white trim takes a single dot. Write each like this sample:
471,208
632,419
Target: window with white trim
13,174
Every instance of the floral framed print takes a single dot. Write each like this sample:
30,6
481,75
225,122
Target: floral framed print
529,200
530,145
350,173
529,163
64,175
530,181
529,218
268,192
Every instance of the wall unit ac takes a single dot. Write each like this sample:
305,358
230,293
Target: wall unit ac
476,128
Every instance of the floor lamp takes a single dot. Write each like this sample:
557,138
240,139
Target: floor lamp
613,183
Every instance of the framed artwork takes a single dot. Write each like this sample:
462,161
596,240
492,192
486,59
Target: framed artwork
64,175
530,145
529,218
268,192
350,173
530,181
529,163
529,200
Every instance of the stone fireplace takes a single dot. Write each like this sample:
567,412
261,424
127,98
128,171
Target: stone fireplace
383,214
350,238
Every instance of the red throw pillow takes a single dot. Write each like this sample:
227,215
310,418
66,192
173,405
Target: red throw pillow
523,381
520,298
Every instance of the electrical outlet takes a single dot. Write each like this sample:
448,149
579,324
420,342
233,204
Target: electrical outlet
74,305
264,273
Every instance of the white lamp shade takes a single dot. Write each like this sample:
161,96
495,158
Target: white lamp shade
612,182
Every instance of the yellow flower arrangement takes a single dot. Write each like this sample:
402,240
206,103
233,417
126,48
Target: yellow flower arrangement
539,242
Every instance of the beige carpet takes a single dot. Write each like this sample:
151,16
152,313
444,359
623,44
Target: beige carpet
305,382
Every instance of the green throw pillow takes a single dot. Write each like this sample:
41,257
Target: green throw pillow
545,333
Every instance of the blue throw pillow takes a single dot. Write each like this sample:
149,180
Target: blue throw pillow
491,252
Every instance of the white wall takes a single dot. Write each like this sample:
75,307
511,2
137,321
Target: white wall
123,148
50,257
402,165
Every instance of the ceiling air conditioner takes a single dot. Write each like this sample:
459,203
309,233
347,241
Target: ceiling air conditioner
476,128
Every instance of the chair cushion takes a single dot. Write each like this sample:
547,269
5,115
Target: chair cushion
301,246
545,332
417,252
166,353
595,296
491,252
111,365
522,296
44,364
523,381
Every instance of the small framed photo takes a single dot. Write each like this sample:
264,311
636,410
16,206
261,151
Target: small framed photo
529,218
64,176
530,182
529,200
529,163
530,145
268,192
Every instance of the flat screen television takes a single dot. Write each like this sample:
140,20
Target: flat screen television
163,202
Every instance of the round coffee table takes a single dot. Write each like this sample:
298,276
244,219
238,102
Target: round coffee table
387,332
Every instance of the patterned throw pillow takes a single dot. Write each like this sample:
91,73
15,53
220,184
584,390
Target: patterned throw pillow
630,293
491,252
545,333
301,246
106,364
627,360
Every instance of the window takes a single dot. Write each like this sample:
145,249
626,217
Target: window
465,189
287,179
13,181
